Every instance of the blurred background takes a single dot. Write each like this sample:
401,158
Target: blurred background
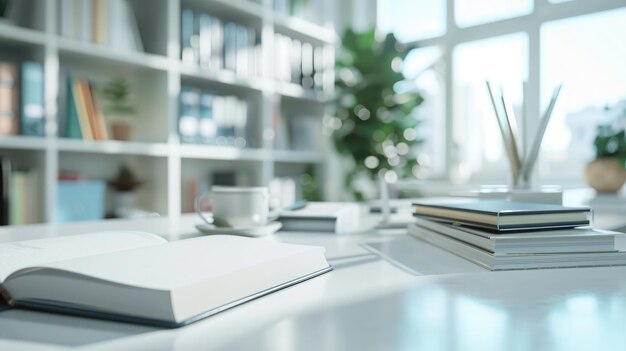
131,108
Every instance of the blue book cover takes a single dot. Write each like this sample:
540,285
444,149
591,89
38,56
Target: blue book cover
32,99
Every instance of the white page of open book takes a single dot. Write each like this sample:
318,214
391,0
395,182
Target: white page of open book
182,263
33,253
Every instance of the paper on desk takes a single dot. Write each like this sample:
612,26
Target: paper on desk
421,258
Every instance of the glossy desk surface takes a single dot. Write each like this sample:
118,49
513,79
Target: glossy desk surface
387,292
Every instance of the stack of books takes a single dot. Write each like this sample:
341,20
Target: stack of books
81,115
19,191
502,235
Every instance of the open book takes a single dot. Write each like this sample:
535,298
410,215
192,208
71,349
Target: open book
140,277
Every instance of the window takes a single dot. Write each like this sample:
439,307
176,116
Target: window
478,148
472,12
587,54
424,70
412,19
575,42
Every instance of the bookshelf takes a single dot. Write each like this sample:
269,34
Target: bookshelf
155,153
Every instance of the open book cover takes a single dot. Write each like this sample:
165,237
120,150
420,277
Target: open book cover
140,277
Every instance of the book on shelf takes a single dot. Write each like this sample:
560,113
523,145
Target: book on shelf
32,112
582,239
19,194
508,261
505,215
105,22
189,114
81,116
334,217
213,44
5,190
299,62
207,118
140,277
9,110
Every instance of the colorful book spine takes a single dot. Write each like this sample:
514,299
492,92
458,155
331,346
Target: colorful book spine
32,95
72,125
8,99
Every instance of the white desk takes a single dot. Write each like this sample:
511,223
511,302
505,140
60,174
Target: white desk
426,299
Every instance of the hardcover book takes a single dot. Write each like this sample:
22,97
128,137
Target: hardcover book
506,215
32,99
140,277
543,241
504,261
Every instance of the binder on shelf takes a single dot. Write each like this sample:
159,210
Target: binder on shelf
32,99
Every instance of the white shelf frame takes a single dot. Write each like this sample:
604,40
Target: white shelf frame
56,47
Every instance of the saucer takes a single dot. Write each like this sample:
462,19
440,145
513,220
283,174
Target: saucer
269,228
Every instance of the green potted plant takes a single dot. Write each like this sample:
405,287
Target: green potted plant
606,174
119,108
373,128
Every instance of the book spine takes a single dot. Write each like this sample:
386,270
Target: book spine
8,99
81,108
186,33
32,99
217,44
5,183
72,126
86,95
230,46
189,115
307,66
207,126
86,19
241,44
205,41
318,68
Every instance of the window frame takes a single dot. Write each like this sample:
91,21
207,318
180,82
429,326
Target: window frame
543,11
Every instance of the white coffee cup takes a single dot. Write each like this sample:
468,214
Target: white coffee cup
239,207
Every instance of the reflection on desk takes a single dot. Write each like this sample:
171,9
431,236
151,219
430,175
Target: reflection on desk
557,309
